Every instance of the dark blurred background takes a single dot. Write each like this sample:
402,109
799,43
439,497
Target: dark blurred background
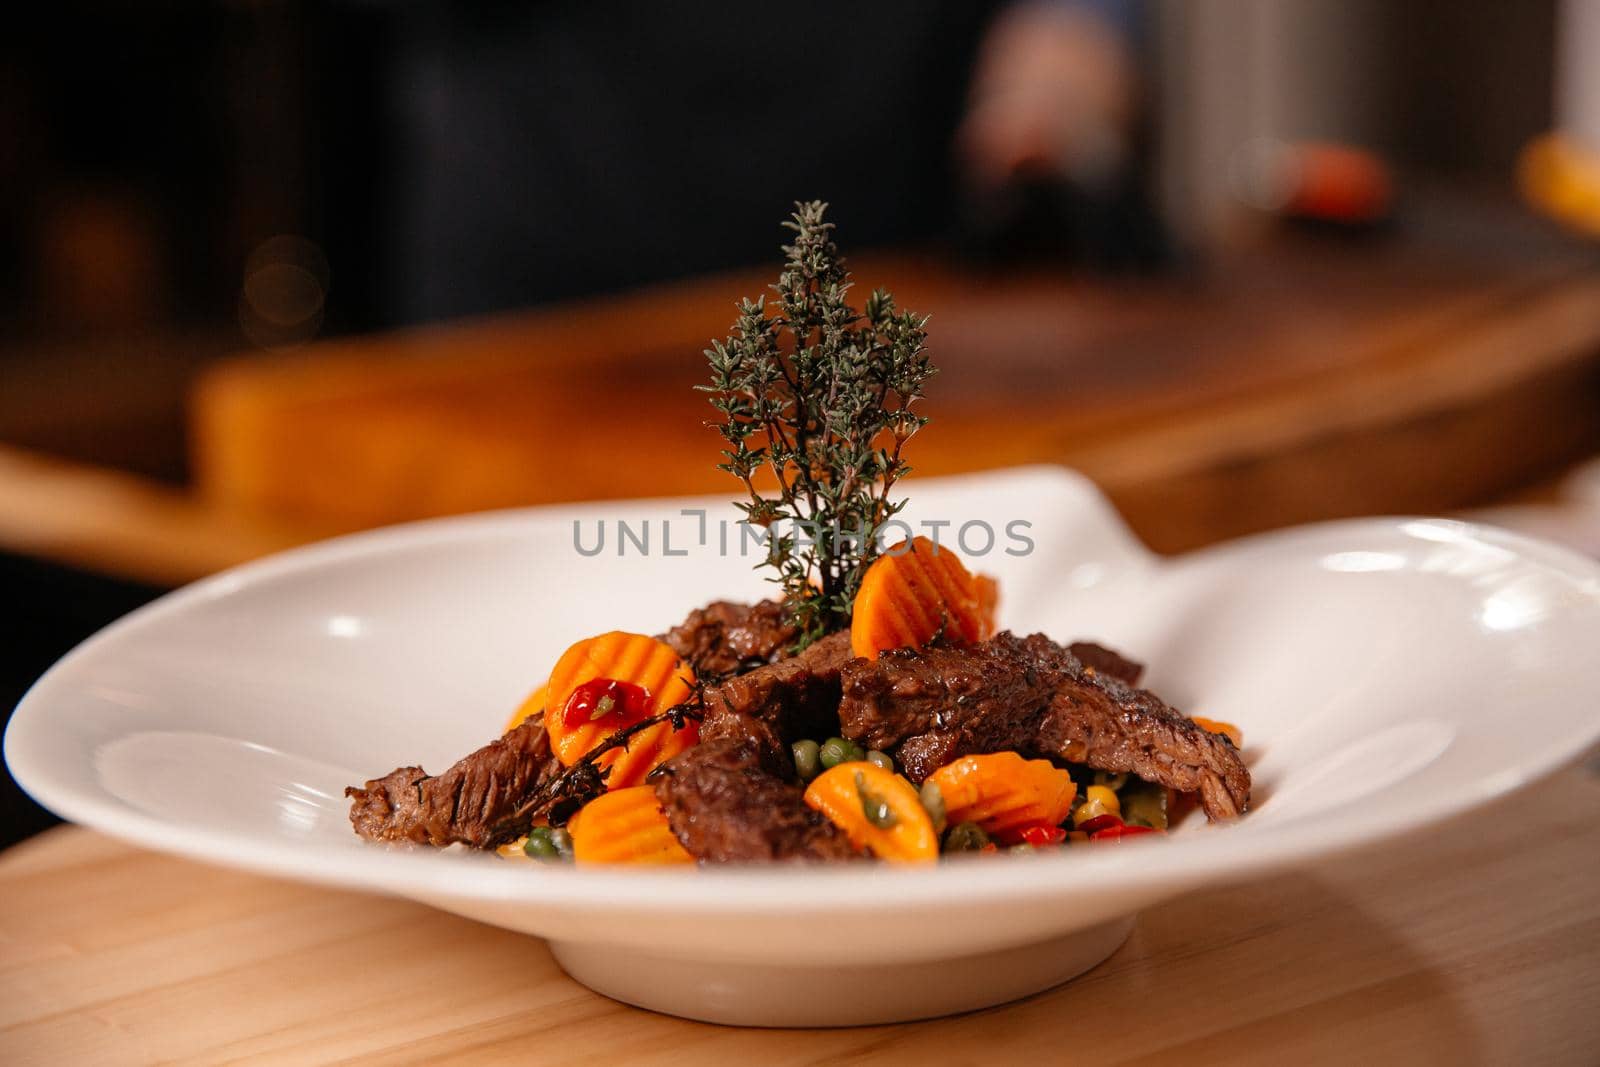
182,182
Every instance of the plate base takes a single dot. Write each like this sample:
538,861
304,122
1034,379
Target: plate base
748,994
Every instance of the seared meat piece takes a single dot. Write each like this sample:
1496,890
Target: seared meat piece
942,702
462,804
724,638
1114,727
1031,695
725,806
466,802
777,705
1106,661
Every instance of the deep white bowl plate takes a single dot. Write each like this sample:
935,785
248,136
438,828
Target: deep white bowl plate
1386,674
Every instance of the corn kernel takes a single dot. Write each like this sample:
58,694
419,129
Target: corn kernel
1106,796
1097,801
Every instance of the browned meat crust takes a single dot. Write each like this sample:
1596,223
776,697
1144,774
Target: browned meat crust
725,806
723,638
1103,660
462,804
1114,727
930,706
465,804
777,705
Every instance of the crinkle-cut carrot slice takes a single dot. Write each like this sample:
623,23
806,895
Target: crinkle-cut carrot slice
635,660
625,826
1001,790
914,592
878,809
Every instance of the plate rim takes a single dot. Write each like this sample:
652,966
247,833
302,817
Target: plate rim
757,891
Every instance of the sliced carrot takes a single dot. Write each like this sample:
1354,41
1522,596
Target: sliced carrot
914,592
533,705
1217,726
625,826
878,809
1001,791
635,660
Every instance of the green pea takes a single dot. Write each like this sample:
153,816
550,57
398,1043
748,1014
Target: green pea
539,846
857,753
966,837
807,759
932,798
874,806
882,759
834,751
562,840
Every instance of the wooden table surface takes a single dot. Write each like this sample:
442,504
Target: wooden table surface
1476,942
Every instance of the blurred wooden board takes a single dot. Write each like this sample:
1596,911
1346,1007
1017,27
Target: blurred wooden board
121,524
1478,942
1303,377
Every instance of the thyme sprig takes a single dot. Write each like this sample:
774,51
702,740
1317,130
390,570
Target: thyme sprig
817,398
584,780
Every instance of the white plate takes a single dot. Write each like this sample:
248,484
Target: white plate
1386,673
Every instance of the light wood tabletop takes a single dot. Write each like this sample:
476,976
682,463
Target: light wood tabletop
1475,942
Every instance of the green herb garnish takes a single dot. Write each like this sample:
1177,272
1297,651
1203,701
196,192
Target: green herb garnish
820,396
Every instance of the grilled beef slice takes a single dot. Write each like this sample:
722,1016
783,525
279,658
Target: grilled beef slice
1114,727
723,638
777,705
930,706
1103,660
462,804
724,805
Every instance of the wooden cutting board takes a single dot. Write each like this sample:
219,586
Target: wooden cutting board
1476,942
1295,377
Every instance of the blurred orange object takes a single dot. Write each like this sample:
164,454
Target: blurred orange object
1319,181
1562,179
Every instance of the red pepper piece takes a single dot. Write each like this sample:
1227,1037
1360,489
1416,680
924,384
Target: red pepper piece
1099,824
606,699
1038,834
1117,833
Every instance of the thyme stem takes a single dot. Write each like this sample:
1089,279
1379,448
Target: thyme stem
821,396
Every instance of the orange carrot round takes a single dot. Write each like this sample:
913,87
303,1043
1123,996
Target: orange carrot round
533,705
1001,791
583,708
878,809
625,826
915,591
